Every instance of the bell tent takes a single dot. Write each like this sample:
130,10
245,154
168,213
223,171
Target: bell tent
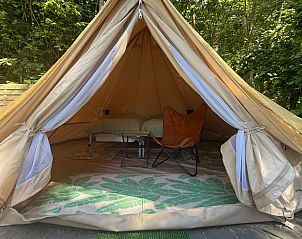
134,58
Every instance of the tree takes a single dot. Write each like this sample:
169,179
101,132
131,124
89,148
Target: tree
34,34
260,39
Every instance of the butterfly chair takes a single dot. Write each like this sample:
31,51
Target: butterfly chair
180,132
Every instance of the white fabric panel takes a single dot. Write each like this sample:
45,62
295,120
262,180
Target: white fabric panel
217,104
38,158
270,172
241,167
39,155
67,97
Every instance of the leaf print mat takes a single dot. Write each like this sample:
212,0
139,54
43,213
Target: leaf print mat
121,194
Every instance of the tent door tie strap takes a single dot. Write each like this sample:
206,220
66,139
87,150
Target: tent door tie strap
32,132
288,215
140,12
252,128
2,205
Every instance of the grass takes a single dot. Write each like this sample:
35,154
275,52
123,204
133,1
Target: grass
167,234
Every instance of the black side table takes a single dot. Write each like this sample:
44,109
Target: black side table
143,145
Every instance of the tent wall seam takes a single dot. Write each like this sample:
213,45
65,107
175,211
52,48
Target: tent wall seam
155,75
118,81
139,72
173,80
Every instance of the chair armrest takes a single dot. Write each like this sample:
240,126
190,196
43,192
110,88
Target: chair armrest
187,142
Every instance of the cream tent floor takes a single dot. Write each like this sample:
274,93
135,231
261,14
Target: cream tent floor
162,197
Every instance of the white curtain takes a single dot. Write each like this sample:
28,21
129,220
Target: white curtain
39,156
29,166
217,104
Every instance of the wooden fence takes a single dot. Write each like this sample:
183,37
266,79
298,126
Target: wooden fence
10,92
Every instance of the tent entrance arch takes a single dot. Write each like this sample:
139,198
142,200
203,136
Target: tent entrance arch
126,65
142,83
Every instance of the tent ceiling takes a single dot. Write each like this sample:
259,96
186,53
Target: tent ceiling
143,82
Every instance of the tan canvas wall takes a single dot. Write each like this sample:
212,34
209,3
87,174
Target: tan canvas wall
279,122
14,149
143,82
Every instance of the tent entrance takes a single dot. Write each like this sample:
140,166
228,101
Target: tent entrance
140,86
82,188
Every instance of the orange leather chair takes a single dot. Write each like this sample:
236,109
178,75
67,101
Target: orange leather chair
181,132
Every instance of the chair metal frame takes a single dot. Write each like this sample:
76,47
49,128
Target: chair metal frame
169,156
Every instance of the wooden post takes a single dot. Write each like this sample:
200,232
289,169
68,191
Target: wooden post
10,92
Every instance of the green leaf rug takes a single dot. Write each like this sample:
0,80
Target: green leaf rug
121,194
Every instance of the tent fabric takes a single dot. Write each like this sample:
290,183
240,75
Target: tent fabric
137,85
222,109
56,100
269,186
39,156
158,60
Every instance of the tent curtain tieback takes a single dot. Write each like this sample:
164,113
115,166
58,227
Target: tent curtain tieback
2,205
32,132
250,128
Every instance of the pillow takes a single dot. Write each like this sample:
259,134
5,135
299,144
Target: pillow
154,125
115,124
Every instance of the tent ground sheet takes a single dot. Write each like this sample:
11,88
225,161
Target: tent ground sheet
97,193
121,194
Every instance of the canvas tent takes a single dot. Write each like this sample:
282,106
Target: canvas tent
138,56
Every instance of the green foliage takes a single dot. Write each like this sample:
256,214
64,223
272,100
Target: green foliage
260,39
34,34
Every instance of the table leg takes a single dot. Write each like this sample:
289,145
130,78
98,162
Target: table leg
125,148
142,147
147,151
139,147
90,145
